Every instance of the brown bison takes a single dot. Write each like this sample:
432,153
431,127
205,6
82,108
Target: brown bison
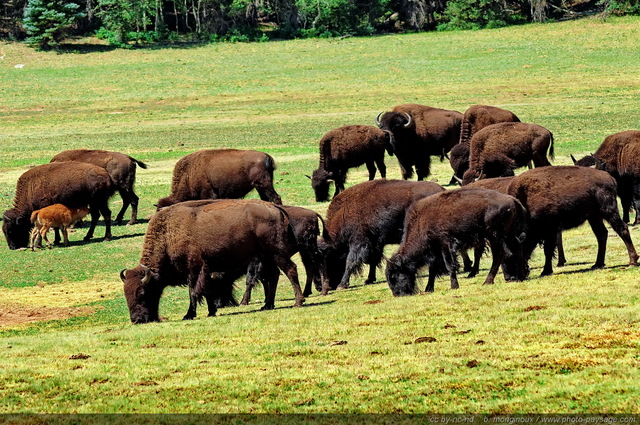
74,184
474,119
222,174
187,243
501,184
362,220
56,216
121,169
498,149
477,117
432,237
306,231
348,147
563,197
609,157
419,132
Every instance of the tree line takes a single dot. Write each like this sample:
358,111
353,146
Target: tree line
45,23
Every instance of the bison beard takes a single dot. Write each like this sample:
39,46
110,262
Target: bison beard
230,234
431,238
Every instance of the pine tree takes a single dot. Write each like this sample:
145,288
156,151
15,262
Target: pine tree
47,22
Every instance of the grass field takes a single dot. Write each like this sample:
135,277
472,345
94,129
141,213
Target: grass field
564,343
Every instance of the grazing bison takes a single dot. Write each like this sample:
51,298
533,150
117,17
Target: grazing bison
419,132
306,231
186,243
57,216
121,169
74,184
348,147
498,149
222,174
362,220
608,157
563,197
477,117
432,237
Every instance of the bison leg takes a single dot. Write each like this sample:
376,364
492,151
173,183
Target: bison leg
549,246
375,258
467,265
450,262
561,258
194,296
636,200
423,169
253,271
340,178
96,210
56,236
623,231
431,282
381,166
601,236
355,258
312,273
371,167
289,268
497,252
128,198
477,255
65,235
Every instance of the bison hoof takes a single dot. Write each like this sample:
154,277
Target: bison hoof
188,317
306,294
267,307
561,263
369,282
597,266
546,273
341,286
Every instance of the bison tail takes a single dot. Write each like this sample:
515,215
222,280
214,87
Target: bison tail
269,164
34,216
551,152
140,163
325,232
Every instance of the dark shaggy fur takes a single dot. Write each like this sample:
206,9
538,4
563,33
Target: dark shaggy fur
362,220
74,184
188,242
222,174
420,132
439,226
306,231
610,158
121,169
498,149
477,117
560,198
349,147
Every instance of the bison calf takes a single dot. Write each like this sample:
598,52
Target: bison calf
432,237
563,197
57,216
349,147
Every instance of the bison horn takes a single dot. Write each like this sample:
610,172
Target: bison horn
122,276
573,159
378,118
458,179
147,274
308,176
408,124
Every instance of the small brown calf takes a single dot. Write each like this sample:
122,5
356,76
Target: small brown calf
57,216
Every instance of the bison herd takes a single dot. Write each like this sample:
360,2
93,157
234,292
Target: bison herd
205,237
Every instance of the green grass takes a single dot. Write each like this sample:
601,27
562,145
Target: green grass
564,343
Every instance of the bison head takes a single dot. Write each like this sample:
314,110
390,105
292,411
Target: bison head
401,278
16,229
320,180
459,160
142,291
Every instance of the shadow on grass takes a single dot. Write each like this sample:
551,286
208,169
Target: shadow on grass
88,48
284,307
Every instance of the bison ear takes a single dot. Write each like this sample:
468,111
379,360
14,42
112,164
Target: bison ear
573,159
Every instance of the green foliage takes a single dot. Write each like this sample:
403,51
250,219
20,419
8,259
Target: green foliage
474,14
48,21
125,21
622,7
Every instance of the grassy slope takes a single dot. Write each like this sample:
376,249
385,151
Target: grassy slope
574,351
